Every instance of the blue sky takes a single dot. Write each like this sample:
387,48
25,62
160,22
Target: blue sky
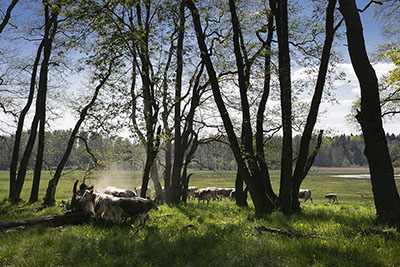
346,93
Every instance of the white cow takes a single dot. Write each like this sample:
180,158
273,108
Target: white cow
306,194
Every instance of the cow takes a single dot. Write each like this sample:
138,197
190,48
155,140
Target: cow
117,192
136,206
109,207
306,194
101,205
191,192
331,196
203,194
224,193
139,190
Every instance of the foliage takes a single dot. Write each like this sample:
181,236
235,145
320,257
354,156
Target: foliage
393,79
122,154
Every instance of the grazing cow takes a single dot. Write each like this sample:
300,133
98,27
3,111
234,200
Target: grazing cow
137,206
101,205
139,190
110,190
213,192
191,192
306,194
203,194
109,207
331,196
224,193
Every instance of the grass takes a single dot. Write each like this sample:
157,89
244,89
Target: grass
218,234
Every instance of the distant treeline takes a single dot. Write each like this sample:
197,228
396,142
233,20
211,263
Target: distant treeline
121,153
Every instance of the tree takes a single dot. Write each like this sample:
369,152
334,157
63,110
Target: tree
280,10
7,15
304,161
49,33
49,198
246,163
386,197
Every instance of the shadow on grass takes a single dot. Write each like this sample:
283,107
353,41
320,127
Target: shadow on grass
218,234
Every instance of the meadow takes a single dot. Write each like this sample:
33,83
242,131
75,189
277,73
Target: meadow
218,234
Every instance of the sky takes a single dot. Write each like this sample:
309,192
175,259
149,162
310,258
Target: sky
347,93
333,119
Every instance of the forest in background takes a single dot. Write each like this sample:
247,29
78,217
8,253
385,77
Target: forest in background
122,154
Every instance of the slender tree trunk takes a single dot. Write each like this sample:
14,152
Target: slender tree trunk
40,101
260,114
285,190
261,202
41,109
386,197
49,198
300,170
21,119
179,147
8,15
167,129
150,110
39,161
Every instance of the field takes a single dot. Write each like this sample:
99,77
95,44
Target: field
218,234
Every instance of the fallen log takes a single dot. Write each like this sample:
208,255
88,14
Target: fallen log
62,218
283,232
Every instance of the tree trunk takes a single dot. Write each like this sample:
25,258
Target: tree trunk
156,182
62,218
260,114
179,147
386,197
21,119
285,190
40,103
299,171
49,198
261,203
52,24
241,195
8,15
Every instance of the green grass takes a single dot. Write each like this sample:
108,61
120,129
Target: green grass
218,234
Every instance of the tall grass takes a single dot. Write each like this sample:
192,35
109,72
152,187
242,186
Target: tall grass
218,234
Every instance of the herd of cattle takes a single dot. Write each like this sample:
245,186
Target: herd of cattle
114,204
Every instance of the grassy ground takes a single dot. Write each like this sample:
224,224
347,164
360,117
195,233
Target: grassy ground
218,234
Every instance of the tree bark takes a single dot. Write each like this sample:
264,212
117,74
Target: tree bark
179,147
156,181
51,23
386,197
285,189
8,15
20,126
40,100
300,169
241,195
62,218
150,110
